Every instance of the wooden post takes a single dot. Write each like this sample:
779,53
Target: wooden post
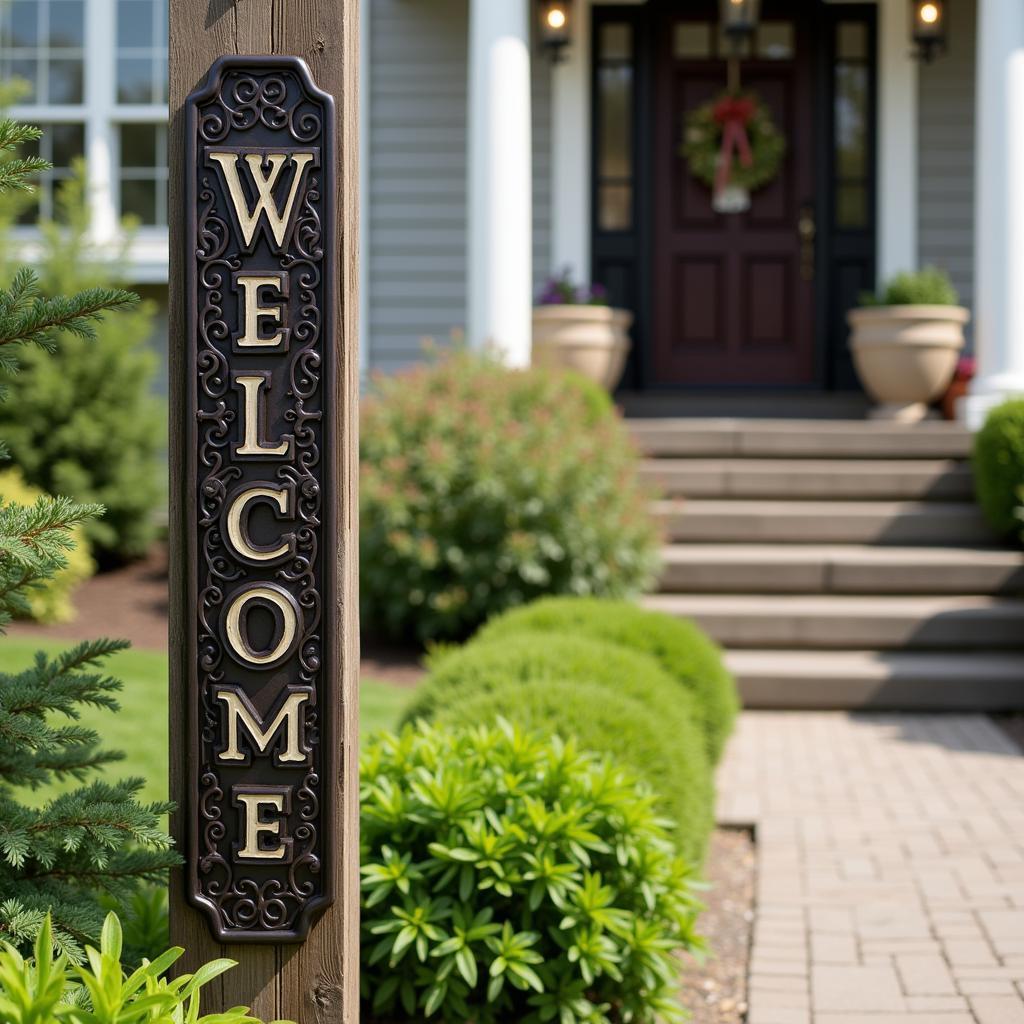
283,972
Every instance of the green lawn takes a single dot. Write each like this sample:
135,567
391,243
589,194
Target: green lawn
140,728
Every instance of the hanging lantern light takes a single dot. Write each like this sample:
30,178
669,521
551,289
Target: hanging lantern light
555,26
928,28
739,20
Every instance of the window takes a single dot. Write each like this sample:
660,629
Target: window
141,51
42,43
615,127
143,178
61,144
851,119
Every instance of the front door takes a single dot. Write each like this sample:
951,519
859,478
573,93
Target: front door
733,293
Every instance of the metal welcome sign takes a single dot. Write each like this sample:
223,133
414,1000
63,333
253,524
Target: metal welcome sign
260,271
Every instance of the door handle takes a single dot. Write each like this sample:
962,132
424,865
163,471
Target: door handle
807,230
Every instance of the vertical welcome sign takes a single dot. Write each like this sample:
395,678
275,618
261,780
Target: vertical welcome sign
260,497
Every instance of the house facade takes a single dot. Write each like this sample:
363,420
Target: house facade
487,167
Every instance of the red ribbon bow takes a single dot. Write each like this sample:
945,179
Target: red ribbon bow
733,113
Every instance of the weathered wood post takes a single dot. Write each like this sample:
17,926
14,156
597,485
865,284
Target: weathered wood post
263,525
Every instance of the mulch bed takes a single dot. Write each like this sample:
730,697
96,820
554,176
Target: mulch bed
715,992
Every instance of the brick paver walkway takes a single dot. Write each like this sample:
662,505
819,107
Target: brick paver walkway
890,867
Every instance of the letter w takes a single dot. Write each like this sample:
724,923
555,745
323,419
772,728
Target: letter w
239,711
266,183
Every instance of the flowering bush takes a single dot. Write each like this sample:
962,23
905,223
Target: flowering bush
561,290
483,488
507,878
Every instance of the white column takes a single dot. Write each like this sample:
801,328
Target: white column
998,208
897,142
100,132
570,152
500,156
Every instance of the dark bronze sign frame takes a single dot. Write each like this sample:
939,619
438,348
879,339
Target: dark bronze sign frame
261,269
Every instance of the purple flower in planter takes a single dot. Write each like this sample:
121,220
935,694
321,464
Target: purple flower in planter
560,290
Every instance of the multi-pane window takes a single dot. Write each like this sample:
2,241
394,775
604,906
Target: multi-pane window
61,144
851,137
615,127
144,172
42,44
141,51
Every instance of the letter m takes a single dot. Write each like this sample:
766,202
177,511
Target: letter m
285,722
257,201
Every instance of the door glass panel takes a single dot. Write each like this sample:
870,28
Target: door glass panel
852,40
616,42
692,40
851,120
615,208
775,40
852,206
616,86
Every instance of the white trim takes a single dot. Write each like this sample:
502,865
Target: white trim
365,42
998,208
500,179
897,214
571,152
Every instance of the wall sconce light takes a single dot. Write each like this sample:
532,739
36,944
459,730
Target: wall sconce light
928,28
739,20
555,26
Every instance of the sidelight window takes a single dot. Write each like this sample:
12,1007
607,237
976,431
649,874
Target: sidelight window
615,85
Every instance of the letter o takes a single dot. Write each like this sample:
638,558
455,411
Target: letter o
287,616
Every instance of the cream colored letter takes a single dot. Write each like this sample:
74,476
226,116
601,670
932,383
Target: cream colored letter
236,518
265,184
255,825
240,711
234,618
253,312
252,384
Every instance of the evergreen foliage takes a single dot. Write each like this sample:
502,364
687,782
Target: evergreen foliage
679,646
95,838
82,420
502,677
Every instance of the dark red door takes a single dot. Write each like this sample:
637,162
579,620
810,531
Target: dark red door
734,293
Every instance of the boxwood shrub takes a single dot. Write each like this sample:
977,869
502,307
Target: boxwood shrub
611,699
999,465
683,650
484,488
512,878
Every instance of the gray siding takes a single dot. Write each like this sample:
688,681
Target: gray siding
946,162
417,176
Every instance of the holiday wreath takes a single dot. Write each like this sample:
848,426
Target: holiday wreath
732,140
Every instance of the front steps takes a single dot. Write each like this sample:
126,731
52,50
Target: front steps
842,564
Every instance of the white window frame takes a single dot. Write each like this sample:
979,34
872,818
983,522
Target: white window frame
102,116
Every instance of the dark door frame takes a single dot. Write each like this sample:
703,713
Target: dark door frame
844,258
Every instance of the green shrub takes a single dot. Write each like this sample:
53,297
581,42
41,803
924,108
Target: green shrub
49,600
49,989
500,673
928,287
484,487
999,464
507,878
82,420
682,650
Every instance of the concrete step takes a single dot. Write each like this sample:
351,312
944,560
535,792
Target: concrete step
823,439
824,522
854,479
840,569
834,621
948,681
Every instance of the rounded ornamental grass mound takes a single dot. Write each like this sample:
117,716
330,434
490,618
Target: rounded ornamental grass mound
999,465
498,670
511,877
682,649
483,488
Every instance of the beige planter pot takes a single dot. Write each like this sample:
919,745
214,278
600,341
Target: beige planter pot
906,355
593,340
